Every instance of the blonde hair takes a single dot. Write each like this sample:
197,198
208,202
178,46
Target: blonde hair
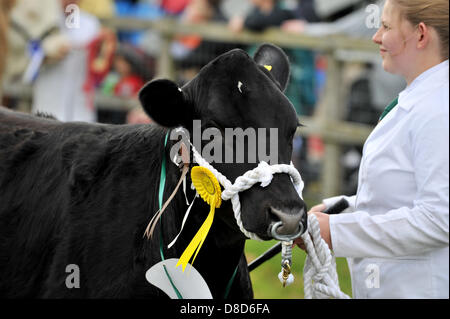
433,13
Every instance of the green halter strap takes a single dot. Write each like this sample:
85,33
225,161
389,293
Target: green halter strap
162,184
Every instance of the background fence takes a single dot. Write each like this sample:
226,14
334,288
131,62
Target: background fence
327,122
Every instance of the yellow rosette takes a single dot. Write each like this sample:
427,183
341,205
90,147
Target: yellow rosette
208,188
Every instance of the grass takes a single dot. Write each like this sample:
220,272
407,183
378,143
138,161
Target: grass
265,278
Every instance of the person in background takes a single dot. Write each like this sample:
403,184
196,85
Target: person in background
129,69
306,10
395,233
5,8
174,7
303,14
271,13
33,35
191,52
265,13
60,88
352,23
196,11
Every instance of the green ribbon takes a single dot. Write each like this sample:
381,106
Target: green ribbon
162,184
388,109
230,283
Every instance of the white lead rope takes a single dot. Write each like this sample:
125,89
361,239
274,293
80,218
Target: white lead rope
319,272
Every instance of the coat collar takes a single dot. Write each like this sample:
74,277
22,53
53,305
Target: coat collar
423,85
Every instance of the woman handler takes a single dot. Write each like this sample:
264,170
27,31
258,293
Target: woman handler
396,234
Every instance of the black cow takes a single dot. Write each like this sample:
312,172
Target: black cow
83,194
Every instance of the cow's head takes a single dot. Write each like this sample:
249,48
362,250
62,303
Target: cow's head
238,91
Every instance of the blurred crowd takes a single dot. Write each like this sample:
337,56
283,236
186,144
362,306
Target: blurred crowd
61,49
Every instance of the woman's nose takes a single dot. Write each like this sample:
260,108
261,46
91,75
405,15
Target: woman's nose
377,37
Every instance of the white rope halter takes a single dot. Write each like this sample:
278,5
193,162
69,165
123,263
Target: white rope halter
263,174
319,272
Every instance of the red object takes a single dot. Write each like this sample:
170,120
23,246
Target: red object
321,62
316,147
128,86
174,6
100,53
190,41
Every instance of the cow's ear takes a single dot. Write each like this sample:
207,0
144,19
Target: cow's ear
165,103
276,61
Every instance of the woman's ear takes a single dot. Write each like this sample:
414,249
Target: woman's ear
166,103
424,35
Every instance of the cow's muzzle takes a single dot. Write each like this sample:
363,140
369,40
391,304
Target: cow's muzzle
289,226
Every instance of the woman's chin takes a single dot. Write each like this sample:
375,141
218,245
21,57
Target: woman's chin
387,66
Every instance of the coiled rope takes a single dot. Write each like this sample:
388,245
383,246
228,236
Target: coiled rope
319,272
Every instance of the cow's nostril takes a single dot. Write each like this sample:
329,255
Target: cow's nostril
272,216
290,221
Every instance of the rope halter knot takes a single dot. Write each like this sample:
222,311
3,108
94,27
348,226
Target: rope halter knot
263,174
320,276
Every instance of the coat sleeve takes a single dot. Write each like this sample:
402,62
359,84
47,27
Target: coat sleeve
406,231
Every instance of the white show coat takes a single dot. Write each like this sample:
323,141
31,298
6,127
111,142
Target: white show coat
59,88
397,233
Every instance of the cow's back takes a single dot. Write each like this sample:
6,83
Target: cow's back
24,184
49,214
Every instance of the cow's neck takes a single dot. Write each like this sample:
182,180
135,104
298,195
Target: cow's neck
224,245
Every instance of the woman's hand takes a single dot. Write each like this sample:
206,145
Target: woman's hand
318,208
324,224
